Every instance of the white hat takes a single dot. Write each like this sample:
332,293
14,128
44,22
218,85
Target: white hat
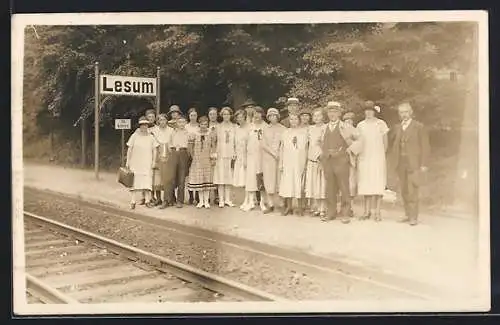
292,100
333,104
271,111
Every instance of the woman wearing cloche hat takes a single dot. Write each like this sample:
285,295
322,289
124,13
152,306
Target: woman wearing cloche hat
270,157
372,173
141,159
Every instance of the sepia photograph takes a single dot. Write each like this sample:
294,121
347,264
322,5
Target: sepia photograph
250,162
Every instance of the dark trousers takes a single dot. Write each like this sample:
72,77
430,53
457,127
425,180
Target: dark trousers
178,163
337,179
408,180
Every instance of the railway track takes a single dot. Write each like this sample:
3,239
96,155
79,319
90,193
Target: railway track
68,265
348,280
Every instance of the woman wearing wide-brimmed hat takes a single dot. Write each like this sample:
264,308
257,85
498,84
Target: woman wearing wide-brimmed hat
372,169
270,156
141,160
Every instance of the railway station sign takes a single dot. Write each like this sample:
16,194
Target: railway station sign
131,86
123,124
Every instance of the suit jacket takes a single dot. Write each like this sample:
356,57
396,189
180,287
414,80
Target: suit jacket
350,135
417,145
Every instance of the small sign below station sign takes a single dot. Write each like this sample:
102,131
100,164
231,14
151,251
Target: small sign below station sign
123,124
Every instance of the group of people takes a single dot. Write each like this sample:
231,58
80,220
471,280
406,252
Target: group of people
295,158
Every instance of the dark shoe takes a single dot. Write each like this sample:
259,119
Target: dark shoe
142,202
164,205
365,216
159,202
150,205
179,205
132,206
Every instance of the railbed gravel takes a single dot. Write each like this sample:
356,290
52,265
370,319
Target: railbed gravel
248,268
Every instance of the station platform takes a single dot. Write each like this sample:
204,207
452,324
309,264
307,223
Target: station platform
440,251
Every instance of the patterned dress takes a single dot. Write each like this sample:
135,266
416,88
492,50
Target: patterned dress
239,176
200,173
315,185
271,140
294,155
254,156
226,150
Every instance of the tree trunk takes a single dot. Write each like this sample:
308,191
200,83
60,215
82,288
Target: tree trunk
238,94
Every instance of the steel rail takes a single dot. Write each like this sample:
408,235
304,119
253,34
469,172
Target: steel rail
188,273
46,293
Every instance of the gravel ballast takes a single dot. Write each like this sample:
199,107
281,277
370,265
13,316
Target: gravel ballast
253,269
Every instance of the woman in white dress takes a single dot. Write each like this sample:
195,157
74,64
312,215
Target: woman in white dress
270,156
241,136
315,178
254,178
141,160
192,127
293,159
213,124
226,154
372,168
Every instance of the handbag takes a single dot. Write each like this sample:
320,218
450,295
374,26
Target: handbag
126,177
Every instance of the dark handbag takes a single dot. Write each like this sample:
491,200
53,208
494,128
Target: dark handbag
126,177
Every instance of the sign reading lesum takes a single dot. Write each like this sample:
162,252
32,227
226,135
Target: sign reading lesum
133,86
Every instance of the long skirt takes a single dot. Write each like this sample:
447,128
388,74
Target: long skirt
223,173
315,184
239,174
142,181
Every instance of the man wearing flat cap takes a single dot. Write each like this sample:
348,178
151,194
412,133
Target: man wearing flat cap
338,142
292,107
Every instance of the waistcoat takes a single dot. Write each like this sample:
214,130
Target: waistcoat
333,139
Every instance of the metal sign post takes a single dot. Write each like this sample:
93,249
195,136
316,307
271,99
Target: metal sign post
96,121
157,91
123,124
120,86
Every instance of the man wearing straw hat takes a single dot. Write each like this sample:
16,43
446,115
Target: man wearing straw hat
292,106
339,140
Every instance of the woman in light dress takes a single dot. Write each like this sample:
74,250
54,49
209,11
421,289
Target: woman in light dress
315,187
254,181
226,155
241,136
372,169
213,124
141,160
270,157
192,127
201,146
293,159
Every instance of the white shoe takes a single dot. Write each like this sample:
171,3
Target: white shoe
244,206
199,205
249,207
229,204
207,205
221,204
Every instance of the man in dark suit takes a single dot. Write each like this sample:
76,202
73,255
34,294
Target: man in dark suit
411,152
339,140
